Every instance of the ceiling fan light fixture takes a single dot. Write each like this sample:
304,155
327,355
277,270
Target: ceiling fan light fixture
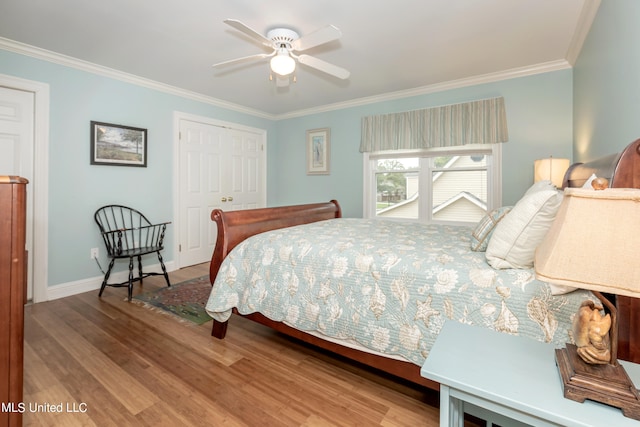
282,63
286,45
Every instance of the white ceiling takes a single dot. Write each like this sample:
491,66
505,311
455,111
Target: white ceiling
387,46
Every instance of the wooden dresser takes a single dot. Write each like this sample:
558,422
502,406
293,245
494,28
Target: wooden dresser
13,280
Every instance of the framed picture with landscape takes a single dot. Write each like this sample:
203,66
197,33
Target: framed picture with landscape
318,151
118,145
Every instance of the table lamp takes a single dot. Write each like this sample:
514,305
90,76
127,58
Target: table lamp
594,244
551,169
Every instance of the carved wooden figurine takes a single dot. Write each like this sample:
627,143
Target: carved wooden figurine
591,333
600,183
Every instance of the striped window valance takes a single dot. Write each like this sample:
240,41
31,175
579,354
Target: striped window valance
476,122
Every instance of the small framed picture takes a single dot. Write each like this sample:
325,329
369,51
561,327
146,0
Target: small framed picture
118,145
318,151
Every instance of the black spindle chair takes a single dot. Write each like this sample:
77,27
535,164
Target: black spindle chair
127,233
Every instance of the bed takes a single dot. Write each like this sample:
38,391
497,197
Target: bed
377,291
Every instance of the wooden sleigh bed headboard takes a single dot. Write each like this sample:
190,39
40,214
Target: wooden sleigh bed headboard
623,171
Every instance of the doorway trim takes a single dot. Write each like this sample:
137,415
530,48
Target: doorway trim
177,117
40,184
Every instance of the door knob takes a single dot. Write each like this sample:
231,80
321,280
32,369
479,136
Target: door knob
230,199
224,199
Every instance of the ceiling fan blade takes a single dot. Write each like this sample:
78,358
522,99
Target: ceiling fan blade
242,60
318,37
323,66
249,32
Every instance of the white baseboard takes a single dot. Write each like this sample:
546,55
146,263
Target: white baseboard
93,283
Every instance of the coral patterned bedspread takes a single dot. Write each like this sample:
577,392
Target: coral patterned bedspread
387,285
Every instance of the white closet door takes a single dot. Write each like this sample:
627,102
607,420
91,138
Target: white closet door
245,187
220,167
201,177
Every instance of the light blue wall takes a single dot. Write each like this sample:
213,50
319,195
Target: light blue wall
539,113
607,82
539,116
76,188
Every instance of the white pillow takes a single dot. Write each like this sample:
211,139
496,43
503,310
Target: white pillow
560,289
518,234
544,185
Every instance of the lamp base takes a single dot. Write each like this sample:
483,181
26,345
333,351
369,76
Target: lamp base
607,384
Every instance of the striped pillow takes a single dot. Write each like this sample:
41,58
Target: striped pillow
482,233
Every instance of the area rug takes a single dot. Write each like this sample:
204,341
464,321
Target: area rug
185,300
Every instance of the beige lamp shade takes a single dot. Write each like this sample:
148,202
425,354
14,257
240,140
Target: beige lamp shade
594,242
551,168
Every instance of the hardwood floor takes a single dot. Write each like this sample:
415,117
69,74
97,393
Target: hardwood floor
116,363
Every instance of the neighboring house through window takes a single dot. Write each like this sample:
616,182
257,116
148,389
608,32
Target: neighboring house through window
447,185
438,164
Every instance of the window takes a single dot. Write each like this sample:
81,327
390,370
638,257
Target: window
453,185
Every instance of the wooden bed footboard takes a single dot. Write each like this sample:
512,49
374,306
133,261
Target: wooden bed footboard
236,226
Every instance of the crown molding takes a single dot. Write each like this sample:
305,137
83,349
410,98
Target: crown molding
438,87
587,16
46,55
68,61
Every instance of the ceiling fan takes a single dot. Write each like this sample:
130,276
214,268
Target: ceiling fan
284,43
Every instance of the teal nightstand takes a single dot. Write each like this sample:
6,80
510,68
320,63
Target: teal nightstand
508,375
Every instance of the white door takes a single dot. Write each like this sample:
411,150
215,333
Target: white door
221,168
16,152
244,191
